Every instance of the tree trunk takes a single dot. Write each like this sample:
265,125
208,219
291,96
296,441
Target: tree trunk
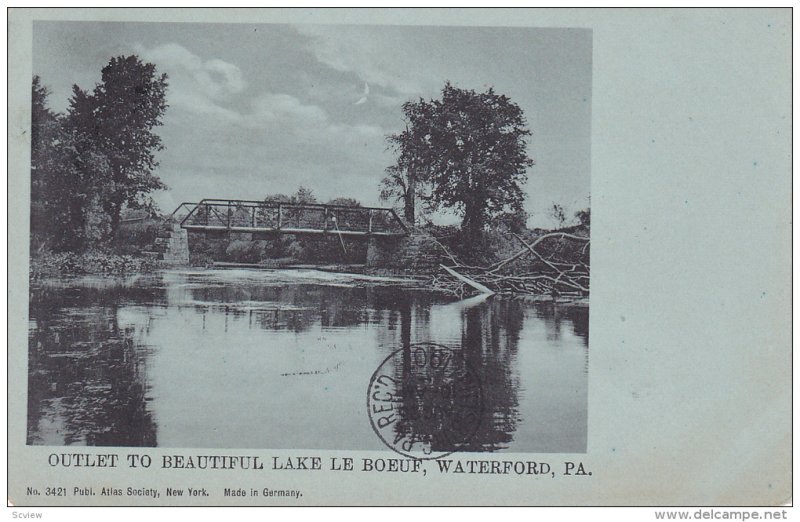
472,223
114,210
409,200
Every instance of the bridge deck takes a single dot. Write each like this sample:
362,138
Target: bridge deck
216,215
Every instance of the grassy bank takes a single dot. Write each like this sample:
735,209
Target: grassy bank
51,264
121,255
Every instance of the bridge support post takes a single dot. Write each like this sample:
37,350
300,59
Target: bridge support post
416,252
176,246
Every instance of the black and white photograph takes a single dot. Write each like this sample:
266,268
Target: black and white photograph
234,226
315,257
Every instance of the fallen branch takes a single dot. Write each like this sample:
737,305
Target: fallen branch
501,264
477,286
561,272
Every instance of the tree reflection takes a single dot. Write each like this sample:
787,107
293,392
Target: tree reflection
89,359
554,314
446,420
87,381
490,340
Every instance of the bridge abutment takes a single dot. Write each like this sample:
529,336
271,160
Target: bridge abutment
174,245
417,251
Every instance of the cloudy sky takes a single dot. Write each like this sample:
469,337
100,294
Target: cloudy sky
261,109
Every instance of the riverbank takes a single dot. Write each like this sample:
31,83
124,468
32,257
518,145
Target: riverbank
60,264
54,265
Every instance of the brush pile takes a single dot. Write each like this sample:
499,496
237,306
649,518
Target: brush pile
554,265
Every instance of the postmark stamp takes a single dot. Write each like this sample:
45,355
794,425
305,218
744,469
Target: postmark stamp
425,401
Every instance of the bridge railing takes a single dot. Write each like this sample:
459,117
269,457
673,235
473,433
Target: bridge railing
183,210
297,218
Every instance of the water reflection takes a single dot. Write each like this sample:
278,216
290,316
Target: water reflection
87,381
242,359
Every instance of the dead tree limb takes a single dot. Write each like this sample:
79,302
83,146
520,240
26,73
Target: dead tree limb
497,266
555,269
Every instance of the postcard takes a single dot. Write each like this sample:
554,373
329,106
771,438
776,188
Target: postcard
399,257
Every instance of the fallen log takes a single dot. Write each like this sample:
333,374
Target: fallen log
474,284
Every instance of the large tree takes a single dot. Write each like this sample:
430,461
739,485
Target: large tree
51,219
407,177
64,188
470,149
117,120
45,130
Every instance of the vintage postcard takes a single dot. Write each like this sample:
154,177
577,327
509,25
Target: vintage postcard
278,257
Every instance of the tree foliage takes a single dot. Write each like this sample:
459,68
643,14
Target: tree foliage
99,157
45,140
584,217
467,150
557,212
117,120
410,173
61,188
344,202
301,248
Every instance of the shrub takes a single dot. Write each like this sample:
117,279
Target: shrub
244,251
49,264
137,236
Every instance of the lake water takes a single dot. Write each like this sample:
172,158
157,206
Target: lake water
283,359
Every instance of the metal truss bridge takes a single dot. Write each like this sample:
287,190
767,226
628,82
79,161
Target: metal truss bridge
236,215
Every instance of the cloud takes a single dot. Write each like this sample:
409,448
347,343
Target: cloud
195,84
254,112
371,52
225,138
207,87
282,108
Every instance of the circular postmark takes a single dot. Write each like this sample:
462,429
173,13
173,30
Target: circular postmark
425,401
